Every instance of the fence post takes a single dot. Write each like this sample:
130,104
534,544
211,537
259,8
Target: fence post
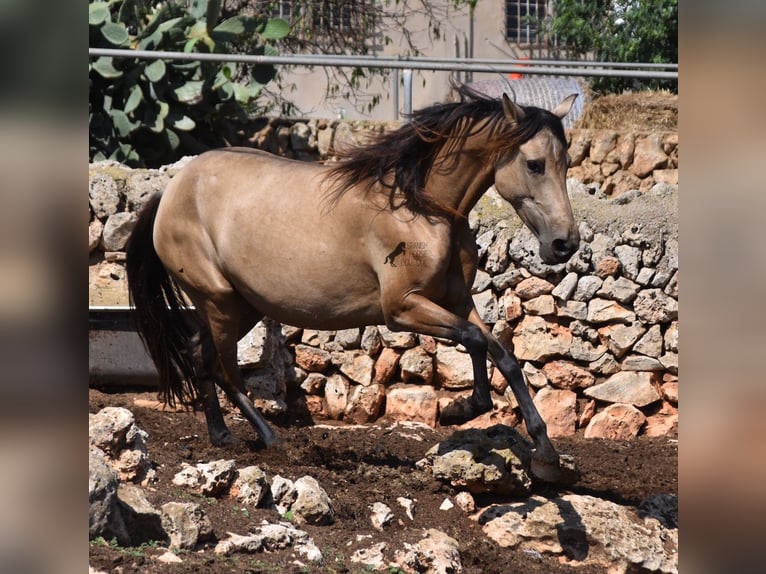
396,93
407,75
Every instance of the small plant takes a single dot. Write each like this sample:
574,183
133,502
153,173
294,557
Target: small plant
289,516
150,112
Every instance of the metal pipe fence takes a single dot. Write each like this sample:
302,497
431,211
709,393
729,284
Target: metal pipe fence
408,64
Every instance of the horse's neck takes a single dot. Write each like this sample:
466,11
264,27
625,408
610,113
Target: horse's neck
460,182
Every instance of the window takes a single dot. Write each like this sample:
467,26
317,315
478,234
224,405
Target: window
521,20
317,17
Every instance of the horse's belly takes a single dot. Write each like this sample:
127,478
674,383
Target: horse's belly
317,293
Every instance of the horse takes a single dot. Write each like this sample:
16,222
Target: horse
242,234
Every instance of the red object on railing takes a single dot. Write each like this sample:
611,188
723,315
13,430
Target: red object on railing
518,75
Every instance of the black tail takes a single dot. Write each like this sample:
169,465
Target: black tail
163,325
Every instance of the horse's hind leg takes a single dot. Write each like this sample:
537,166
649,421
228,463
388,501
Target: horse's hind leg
205,357
228,317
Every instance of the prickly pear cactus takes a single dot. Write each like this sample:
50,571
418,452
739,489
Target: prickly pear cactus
149,112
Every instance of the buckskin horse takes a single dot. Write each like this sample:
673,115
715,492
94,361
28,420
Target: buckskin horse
245,234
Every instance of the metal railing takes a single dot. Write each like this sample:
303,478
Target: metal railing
408,64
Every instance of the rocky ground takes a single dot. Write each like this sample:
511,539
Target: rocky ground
358,467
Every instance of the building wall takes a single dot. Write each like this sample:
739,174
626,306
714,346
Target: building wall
428,87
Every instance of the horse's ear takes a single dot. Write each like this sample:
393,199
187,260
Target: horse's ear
514,112
565,106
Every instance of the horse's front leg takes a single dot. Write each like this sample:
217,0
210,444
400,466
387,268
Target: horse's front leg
419,314
546,462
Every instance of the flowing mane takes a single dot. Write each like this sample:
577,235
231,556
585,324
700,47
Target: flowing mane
400,161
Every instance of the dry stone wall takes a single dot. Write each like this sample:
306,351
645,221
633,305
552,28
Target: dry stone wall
597,337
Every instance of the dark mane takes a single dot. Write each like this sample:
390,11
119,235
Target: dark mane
399,161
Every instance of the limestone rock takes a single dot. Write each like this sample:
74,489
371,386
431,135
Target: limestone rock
208,479
587,287
586,529
312,359
364,403
616,422
436,553
251,486
621,289
117,230
312,505
397,339
605,311
631,387
336,392
533,287
566,287
558,408
269,538
142,521
416,366
566,375
412,403
186,524
653,306
542,305
103,193
483,461
534,339
381,516
104,517
651,343
358,367
95,229
114,431
385,366
454,369
648,155
619,339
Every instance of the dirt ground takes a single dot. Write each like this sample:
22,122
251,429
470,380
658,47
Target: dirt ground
357,467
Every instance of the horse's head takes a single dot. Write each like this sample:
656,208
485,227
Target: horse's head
533,179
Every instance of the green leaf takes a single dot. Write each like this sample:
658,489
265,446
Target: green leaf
168,24
198,30
164,109
155,71
246,92
121,122
98,12
150,42
180,122
275,29
173,140
230,29
190,92
222,77
198,8
116,34
105,68
134,99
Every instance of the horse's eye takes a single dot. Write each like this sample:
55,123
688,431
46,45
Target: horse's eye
536,166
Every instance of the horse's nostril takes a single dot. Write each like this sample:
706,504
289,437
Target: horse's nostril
562,247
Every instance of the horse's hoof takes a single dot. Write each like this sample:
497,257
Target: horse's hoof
459,411
271,440
226,439
562,471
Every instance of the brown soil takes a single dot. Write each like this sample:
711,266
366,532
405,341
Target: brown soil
357,467
642,111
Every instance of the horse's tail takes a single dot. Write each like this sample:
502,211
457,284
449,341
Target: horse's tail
158,304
